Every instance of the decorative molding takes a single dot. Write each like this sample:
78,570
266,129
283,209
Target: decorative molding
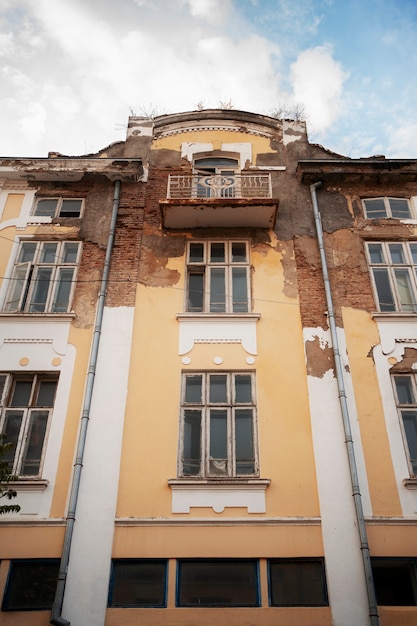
32,522
218,494
218,521
217,329
391,521
210,127
410,483
14,185
31,486
26,340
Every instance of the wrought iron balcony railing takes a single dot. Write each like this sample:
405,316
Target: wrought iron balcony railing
219,186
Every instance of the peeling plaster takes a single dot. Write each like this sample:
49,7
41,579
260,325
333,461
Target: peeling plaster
319,357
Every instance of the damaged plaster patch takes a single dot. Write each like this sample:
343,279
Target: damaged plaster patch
157,250
289,268
408,362
319,357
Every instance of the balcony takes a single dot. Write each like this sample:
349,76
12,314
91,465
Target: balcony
219,200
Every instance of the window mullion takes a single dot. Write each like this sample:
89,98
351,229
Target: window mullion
20,444
231,441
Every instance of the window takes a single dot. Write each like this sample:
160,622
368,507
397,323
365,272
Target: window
387,207
26,402
218,277
31,585
138,583
216,178
297,582
58,207
218,583
395,581
218,425
406,399
393,267
43,277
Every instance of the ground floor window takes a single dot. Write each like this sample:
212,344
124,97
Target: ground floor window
31,585
395,581
297,582
138,583
216,583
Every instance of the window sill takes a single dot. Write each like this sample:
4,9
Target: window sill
410,483
38,316
29,485
218,493
394,316
220,317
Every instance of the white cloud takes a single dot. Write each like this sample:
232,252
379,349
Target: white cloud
317,81
212,10
403,140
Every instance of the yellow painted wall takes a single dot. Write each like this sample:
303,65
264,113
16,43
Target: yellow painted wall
30,542
13,206
361,335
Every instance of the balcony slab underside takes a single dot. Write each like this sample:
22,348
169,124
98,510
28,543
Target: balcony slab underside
219,212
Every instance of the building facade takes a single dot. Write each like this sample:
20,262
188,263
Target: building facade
207,367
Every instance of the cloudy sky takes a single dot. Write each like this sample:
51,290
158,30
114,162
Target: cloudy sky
72,71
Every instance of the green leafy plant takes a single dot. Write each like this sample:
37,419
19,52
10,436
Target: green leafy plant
6,478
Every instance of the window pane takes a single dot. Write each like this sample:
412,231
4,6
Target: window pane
406,297
48,253
193,389
27,252
383,287
196,253
413,248
376,253
218,388
243,388
404,389
46,207
397,253
11,429
34,443
218,443
46,393
245,461
217,253
19,284
70,208
63,290
238,252
218,583
240,290
375,208
138,583
31,585
191,463
399,208
70,252
297,583
217,290
195,292
21,393
395,581
410,427
42,281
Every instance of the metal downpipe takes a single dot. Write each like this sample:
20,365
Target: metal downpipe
56,617
372,604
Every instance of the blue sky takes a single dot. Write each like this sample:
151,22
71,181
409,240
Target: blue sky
71,71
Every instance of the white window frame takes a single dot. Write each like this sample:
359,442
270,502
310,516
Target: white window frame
205,267
27,414
397,279
389,211
59,209
409,408
31,264
210,468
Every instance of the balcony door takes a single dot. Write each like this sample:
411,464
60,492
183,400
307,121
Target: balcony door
216,177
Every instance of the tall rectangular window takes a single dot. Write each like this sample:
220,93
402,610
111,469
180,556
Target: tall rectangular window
138,582
218,425
406,398
218,277
43,278
394,273
218,583
398,208
31,585
26,403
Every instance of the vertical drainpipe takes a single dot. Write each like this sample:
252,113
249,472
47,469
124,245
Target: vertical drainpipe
370,589
56,617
